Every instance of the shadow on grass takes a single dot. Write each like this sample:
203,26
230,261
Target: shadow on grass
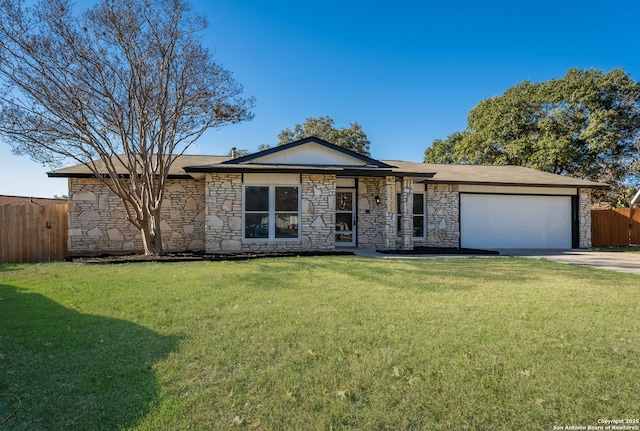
8,267
61,369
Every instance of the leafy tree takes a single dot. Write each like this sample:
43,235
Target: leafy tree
352,138
585,124
126,84
263,147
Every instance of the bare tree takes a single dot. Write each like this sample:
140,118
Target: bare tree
123,87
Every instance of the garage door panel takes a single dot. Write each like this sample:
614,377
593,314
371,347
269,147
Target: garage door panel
515,221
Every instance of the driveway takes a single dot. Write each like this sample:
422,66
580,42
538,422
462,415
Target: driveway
610,260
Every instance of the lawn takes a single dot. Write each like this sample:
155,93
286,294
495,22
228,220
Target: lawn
318,343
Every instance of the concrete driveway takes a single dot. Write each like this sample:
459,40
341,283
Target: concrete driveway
610,260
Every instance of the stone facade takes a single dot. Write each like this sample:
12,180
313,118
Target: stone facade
584,212
223,228
318,212
207,215
371,216
98,220
223,233
443,219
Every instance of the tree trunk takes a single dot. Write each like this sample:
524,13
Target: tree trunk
152,236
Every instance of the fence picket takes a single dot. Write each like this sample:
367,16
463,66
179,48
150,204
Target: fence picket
618,227
33,233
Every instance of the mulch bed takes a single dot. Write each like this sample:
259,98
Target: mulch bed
105,259
442,250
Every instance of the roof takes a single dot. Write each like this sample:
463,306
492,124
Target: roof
176,170
505,175
26,200
367,160
193,166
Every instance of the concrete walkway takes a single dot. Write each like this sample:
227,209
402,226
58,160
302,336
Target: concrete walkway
609,260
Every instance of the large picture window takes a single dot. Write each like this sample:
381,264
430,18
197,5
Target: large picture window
418,215
271,212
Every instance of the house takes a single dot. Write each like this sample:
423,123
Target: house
310,195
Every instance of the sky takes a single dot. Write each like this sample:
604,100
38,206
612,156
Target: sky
407,71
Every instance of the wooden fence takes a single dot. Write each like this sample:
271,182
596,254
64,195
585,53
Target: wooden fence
619,227
33,233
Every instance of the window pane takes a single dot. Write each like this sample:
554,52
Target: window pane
344,237
344,201
344,222
287,225
256,225
286,199
256,198
418,226
399,226
398,204
418,203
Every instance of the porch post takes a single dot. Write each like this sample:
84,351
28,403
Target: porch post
389,232
406,205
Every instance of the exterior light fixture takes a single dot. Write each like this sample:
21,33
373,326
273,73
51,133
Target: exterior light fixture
377,200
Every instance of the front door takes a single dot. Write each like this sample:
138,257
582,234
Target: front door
345,218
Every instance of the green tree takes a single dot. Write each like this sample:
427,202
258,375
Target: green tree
352,138
126,84
585,124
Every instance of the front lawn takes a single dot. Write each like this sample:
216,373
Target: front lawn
318,343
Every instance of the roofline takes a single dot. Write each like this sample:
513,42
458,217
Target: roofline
317,140
279,169
54,174
508,184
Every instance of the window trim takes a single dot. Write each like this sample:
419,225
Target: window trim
272,213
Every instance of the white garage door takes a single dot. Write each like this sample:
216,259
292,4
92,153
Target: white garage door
515,221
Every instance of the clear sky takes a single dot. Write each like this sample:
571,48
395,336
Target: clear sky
408,71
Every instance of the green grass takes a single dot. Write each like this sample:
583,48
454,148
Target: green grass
317,344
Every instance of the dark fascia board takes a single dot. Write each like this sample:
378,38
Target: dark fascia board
489,183
368,160
338,170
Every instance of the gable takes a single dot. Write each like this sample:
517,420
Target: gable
310,153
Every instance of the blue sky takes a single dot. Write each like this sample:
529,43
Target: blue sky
409,71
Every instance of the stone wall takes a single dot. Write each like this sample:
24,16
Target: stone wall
443,220
223,228
371,217
584,217
318,218
98,223
224,234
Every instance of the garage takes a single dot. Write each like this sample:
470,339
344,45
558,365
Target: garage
493,221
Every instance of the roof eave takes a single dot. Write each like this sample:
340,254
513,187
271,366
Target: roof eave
342,171
518,184
55,174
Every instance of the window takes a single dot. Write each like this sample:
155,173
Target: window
271,212
418,215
